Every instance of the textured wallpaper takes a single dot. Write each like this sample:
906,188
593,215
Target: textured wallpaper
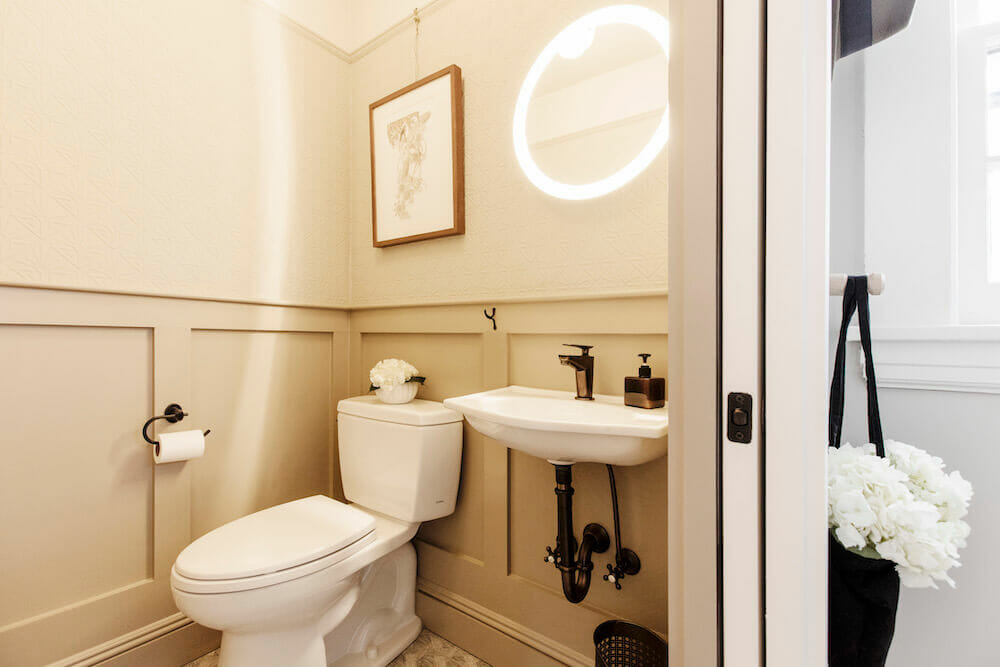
519,242
187,147
206,149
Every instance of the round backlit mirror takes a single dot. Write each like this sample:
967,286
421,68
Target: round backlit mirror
592,112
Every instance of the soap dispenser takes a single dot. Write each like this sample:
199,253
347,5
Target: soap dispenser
645,391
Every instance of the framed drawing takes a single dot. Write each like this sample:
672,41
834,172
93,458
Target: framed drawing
417,161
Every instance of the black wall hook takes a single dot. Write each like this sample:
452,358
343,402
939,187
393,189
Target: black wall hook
491,317
173,414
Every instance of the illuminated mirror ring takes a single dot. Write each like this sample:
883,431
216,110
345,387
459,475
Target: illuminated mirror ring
571,42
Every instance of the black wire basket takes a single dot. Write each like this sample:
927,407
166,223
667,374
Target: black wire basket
621,644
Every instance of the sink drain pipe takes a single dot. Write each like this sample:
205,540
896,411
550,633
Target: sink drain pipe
574,565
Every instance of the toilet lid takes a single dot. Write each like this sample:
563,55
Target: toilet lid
278,538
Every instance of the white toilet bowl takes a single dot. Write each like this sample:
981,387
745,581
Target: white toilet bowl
283,617
316,582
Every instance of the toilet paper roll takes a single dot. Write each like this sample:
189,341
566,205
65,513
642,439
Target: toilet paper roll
179,446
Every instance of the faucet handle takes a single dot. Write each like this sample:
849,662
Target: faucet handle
585,349
551,556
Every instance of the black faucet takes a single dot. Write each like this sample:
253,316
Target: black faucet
583,364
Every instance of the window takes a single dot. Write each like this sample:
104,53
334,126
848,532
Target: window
993,163
977,76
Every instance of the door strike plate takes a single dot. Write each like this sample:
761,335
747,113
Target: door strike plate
740,418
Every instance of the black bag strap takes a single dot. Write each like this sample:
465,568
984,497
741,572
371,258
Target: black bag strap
855,298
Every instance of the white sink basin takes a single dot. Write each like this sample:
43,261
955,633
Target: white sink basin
553,425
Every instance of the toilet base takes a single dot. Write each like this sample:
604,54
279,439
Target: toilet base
383,622
301,647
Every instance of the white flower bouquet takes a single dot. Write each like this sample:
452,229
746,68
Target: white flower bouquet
394,381
902,508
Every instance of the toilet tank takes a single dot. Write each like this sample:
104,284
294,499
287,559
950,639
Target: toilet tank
401,460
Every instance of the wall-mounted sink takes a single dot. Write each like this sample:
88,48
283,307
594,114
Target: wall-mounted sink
553,425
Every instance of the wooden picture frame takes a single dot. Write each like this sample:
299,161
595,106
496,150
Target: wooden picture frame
418,160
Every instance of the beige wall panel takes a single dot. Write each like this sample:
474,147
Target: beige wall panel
64,352
186,147
453,365
519,241
642,491
76,483
267,396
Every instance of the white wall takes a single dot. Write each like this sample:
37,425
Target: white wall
847,172
909,153
891,199
946,626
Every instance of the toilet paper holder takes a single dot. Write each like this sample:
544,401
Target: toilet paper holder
173,414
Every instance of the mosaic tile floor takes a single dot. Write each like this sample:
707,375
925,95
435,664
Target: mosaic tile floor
427,650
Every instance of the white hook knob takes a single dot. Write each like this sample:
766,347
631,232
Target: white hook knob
838,282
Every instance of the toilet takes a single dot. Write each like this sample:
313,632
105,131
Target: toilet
316,582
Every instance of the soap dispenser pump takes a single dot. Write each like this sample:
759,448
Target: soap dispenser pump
644,390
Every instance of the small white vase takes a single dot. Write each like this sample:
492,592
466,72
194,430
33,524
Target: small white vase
403,393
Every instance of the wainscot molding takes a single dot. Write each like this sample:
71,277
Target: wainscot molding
167,295
956,358
591,295
118,645
503,625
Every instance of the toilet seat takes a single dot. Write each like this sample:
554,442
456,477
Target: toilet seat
272,546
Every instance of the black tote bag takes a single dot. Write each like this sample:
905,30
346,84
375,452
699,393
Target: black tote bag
863,592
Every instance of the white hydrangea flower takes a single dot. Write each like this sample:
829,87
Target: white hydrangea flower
902,508
391,373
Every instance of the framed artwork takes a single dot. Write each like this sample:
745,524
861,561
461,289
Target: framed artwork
417,161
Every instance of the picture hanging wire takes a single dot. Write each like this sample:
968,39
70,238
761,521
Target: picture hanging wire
416,44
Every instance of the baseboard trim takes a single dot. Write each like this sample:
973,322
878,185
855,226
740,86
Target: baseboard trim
107,652
506,626
126,642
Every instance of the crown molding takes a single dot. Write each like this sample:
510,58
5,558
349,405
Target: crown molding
357,54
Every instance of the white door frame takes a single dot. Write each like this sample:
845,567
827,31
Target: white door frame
692,463
786,609
774,242
796,270
741,330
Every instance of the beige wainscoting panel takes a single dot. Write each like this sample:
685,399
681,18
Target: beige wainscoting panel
482,602
90,526
451,362
266,396
72,399
224,362
77,488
